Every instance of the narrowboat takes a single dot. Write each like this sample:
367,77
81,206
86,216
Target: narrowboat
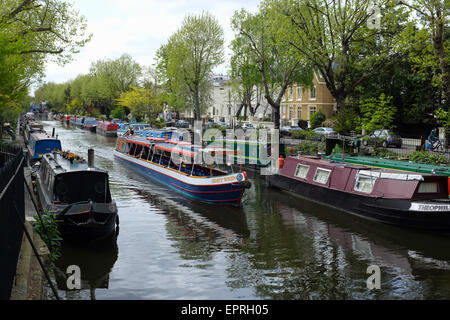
89,124
30,128
135,126
41,143
154,158
78,194
404,199
107,128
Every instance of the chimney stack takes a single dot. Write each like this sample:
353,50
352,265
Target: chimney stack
91,158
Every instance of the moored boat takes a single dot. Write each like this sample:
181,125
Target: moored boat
107,128
41,143
30,128
404,199
78,194
135,126
154,157
89,124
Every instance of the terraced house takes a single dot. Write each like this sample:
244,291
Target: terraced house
301,102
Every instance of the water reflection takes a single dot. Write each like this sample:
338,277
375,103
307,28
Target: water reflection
95,261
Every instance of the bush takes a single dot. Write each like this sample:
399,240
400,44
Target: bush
317,119
384,153
118,113
346,121
303,124
49,232
426,157
297,134
308,148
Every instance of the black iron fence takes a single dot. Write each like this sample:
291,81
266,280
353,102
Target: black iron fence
12,208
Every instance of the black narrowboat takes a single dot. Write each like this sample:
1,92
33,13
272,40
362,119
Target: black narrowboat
78,194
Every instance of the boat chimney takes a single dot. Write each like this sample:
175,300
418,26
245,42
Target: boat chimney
91,158
53,132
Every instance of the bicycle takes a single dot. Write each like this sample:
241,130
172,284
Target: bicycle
436,146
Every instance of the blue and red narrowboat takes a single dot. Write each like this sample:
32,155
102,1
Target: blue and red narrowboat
154,158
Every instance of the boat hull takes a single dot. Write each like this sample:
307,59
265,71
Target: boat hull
399,212
230,193
87,221
106,133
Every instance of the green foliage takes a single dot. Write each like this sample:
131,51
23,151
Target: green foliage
297,134
141,103
307,147
49,232
118,113
33,32
346,120
426,157
337,39
384,153
186,62
378,113
317,118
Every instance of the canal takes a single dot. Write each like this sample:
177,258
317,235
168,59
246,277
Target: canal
275,246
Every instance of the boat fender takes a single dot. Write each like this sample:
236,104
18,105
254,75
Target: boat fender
245,184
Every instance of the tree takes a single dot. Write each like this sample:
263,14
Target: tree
339,40
258,36
378,113
112,78
317,118
32,32
246,79
188,59
436,14
141,102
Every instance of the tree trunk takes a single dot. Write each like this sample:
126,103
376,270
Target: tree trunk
197,105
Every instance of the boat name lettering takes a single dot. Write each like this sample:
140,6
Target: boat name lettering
429,207
224,179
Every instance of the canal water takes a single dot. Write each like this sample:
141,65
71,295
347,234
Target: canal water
275,246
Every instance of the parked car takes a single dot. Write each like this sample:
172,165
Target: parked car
324,132
287,130
248,126
383,137
182,124
224,124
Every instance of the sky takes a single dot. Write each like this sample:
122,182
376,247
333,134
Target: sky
139,28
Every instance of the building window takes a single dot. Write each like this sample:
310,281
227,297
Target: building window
290,94
283,110
291,112
312,93
364,184
299,111
299,93
312,110
301,171
322,175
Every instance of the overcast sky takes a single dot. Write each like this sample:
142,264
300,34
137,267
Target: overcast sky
139,28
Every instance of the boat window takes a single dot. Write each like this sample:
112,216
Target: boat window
364,184
322,175
428,187
301,171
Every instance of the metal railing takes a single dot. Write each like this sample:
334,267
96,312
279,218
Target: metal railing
11,203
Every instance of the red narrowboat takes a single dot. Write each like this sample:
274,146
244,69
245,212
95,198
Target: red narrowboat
107,128
405,199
